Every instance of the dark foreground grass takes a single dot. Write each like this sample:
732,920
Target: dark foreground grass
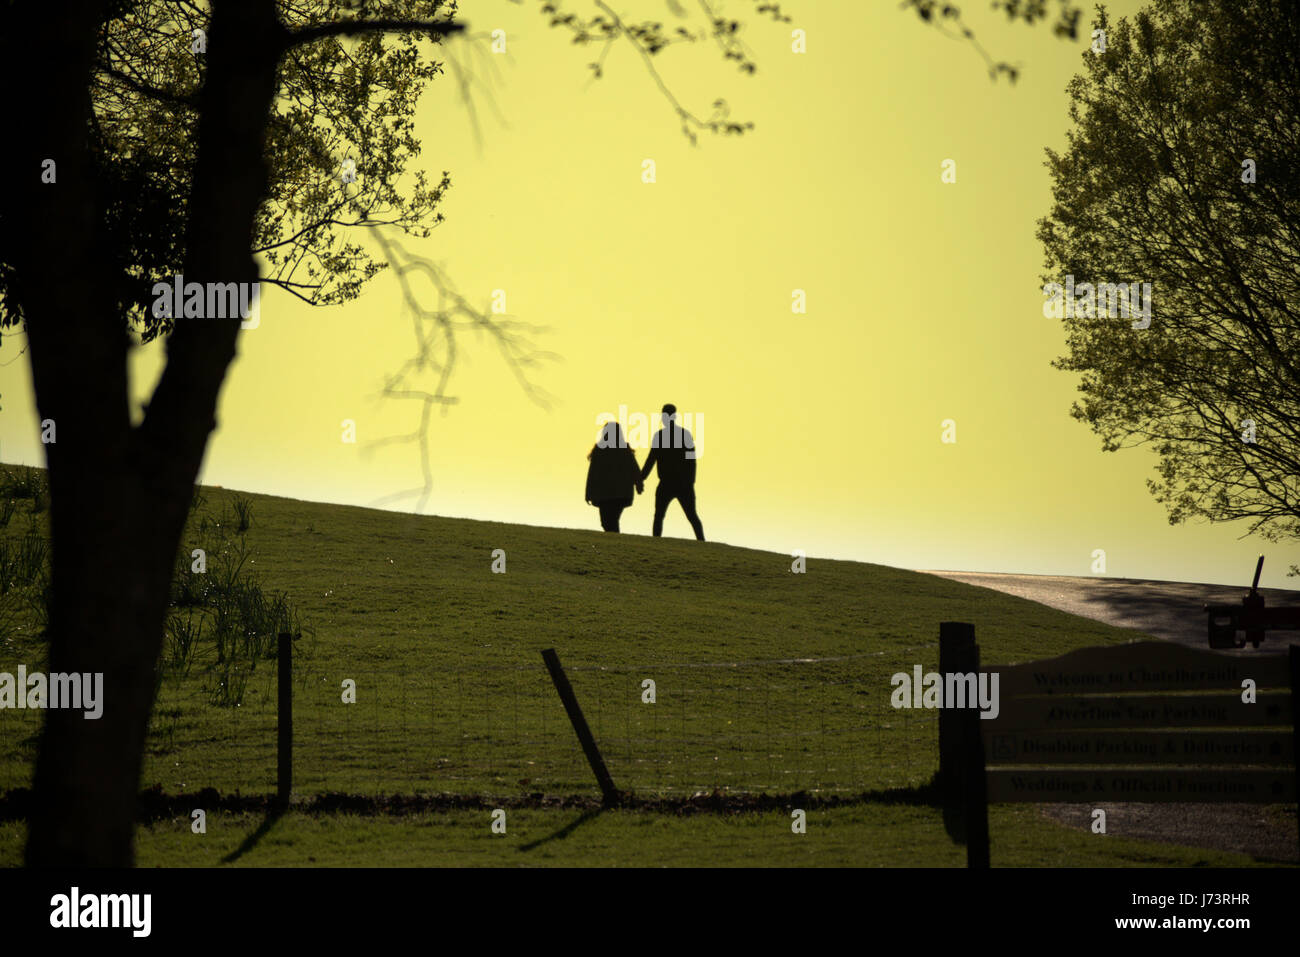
764,681
868,835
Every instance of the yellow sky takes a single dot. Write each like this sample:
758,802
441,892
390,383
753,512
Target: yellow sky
821,431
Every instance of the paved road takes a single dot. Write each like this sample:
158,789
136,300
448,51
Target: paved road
1171,610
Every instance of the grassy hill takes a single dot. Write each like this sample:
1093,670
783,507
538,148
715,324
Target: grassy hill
765,682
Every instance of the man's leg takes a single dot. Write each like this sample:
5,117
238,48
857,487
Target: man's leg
687,498
662,497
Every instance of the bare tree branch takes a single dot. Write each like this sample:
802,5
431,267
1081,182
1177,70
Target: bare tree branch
353,28
437,351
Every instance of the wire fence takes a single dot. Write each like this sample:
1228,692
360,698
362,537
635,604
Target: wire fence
667,728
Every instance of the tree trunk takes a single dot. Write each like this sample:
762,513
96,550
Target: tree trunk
111,583
119,495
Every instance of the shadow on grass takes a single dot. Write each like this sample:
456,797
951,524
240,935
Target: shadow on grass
154,805
273,815
565,831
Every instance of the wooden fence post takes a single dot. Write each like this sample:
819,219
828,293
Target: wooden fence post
961,749
1294,655
284,720
580,727
956,639
975,805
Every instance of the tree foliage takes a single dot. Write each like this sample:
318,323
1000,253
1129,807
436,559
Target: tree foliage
339,99
1180,171
947,18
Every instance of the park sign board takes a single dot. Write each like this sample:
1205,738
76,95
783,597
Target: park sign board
1146,785
1141,747
1211,709
1142,666
1146,722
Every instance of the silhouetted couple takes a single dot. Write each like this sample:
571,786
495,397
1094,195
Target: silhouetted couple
613,473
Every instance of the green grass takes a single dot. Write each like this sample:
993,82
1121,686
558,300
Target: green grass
869,835
452,696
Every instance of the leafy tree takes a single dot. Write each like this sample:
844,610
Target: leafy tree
1180,172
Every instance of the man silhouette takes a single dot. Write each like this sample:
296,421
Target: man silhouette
673,450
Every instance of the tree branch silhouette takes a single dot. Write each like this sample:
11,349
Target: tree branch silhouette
940,13
356,28
437,350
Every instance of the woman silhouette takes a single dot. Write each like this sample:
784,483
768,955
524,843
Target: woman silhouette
611,476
